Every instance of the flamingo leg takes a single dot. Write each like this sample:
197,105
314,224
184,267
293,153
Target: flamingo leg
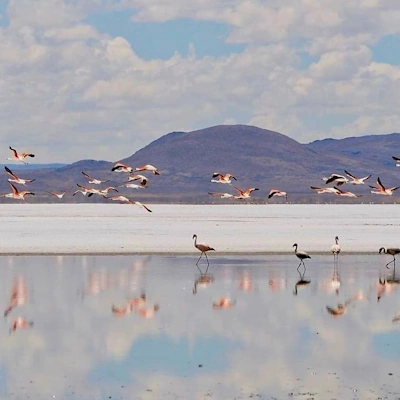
199,258
208,263
393,261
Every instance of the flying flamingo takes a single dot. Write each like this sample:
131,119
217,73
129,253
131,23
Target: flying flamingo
19,157
148,167
16,194
339,179
397,159
203,248
14,178
382,190
124,199
345,193
244,194
222,195
320,190
222,178
355,180
58,195
142,178
277,193
94,180
301,255
119,167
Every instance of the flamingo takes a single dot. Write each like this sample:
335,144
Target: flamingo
339,179
16,194
278,193
325,190
382,190
336,248
124,199
94,180
142,178
132,186
19,157
203,248
345,193
222,195
355,180
222,178
148,167
119,167
392,251
14,178
58,195
244,194
397,159
301,255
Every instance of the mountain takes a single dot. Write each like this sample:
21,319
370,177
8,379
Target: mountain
256,157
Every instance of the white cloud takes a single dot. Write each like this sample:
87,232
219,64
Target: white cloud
61,78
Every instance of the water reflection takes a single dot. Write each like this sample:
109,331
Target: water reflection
302,281
139,328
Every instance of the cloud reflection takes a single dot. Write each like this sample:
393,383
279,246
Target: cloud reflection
270,343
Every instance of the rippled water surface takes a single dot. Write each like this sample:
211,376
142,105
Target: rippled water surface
154,327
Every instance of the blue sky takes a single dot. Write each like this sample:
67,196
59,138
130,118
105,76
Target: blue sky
119,74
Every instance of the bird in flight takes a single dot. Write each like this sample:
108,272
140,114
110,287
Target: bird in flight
94,180
19,156
14,178
244,194
123,199
320,190
345,193
58,195
382,190
148,167
338,179
355,180
222,195
276,192
142,178
15,194
227,178
119,167
397,159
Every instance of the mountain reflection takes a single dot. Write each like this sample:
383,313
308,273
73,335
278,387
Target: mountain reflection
113,326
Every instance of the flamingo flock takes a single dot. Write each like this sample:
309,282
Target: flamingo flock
85,190
136,180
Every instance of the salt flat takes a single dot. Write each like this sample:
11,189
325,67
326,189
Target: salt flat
244,228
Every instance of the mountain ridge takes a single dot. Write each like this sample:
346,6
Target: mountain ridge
256,157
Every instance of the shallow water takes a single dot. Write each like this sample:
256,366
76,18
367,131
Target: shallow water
275,335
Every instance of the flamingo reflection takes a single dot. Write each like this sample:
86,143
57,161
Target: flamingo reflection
334,283
245,282
20,323
387,285
341,308
18,295
203,281
301,282
138,305
223,303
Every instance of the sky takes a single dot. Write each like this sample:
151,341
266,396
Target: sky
101,79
